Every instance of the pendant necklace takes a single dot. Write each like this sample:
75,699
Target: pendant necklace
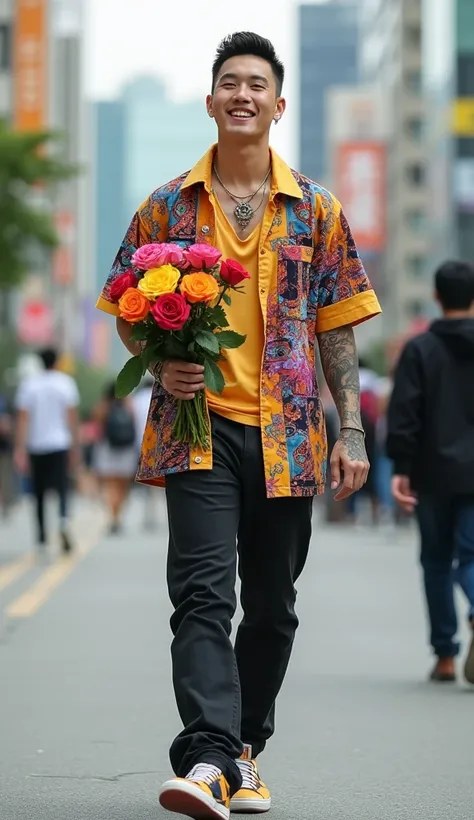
243,211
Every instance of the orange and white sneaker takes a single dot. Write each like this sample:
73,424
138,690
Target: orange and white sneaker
253,797
203,794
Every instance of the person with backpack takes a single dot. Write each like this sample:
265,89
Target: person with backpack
431,442
115,456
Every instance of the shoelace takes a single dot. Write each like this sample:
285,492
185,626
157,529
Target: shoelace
204,773
249,775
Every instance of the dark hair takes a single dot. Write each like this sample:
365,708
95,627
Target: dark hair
109,392
454,282
246,42
49,357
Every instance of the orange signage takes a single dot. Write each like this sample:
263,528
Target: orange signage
30,54
360,184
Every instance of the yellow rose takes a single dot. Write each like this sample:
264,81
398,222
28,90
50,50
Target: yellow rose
158,281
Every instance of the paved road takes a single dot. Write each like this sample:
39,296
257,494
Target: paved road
86,709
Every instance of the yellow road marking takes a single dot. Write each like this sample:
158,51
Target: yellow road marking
30,601
11,572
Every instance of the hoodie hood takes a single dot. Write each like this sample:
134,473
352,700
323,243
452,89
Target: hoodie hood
457,335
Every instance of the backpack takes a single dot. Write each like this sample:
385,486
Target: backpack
120,426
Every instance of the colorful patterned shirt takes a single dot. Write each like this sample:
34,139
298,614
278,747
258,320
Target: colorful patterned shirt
311,279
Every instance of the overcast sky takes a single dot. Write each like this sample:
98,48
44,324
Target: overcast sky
176,41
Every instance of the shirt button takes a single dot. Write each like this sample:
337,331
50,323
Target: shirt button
205,229
198,460
262,291
263,250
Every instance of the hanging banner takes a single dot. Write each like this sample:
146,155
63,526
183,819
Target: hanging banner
30,65
360,184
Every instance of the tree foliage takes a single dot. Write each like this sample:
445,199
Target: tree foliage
29,165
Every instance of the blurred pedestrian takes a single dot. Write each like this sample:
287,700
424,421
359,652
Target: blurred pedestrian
431,441
267,460
47,439
115,454
7,472
141,400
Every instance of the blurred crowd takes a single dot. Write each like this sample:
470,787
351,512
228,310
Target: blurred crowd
47,444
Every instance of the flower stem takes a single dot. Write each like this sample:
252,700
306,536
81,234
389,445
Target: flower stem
191,425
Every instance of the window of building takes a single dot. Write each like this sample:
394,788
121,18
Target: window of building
413,35
415,266
413,81
415,308
466,75
5,47
416,173
416,221
415,128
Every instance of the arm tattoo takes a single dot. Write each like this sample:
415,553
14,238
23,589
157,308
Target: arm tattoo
341,370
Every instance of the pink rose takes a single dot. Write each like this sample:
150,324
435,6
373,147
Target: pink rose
233,272
202,257
121,284
157,254
171,311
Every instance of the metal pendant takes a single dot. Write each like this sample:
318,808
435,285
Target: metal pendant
243,213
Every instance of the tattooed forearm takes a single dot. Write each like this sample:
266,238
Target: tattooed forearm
341,370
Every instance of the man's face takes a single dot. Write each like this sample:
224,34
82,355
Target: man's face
245,101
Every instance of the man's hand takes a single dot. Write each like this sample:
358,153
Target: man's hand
349,464
182,379
403,494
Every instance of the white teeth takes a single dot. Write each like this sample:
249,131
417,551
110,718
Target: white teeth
241,114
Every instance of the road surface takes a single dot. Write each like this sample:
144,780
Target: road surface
86,705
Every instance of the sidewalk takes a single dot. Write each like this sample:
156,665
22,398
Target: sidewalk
87,710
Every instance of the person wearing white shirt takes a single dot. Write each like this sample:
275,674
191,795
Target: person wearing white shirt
47,438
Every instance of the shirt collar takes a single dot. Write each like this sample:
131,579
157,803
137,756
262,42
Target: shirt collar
283,181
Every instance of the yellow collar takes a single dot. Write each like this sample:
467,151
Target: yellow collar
283,181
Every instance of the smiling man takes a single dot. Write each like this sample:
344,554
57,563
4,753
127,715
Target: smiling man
251,494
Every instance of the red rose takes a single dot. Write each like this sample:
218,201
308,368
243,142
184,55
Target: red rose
233,272
171,311
121,284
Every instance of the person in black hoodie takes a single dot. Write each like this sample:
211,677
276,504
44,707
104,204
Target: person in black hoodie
431,442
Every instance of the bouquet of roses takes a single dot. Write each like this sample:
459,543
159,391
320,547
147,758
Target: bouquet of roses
173,299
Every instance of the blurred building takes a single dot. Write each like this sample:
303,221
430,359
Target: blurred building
356,135
448,74
391,58
142,140
6,29
328,54
163,137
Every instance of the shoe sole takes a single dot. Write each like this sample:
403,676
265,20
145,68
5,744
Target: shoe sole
469,665
184,798
248,806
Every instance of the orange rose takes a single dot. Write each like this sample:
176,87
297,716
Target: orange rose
199,287
133,306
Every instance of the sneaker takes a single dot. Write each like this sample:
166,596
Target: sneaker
253,797
469,664
66,541
203,794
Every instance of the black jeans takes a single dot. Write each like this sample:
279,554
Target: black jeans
447,557
226,696
49,471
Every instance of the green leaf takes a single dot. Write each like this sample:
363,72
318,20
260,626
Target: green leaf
139,332
208,341
175,349
230,339
213,378
129,377
227,299
149,355
216,316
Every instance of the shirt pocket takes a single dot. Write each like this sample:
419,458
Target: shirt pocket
294,272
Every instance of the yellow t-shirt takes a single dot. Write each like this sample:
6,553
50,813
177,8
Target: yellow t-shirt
240,399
